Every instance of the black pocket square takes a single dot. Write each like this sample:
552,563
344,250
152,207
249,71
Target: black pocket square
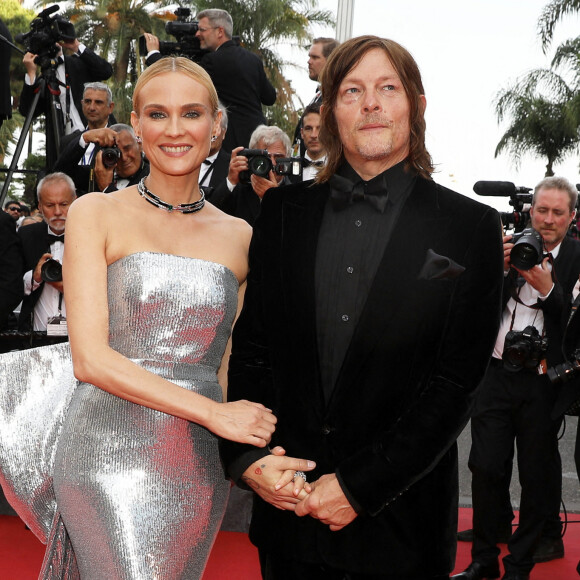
438,267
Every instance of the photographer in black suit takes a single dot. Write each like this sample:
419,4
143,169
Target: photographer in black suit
40,242
238,76
73,71
79,149
515,400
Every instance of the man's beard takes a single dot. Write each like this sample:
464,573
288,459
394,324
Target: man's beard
55,226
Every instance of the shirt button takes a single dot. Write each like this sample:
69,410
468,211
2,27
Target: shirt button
350,269
345,317
358,223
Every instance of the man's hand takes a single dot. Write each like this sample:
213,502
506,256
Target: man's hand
269,473
103,137
72,45
38,278
151,42
30,66
507,250
261,185
103,175
238,163
539,277
327,503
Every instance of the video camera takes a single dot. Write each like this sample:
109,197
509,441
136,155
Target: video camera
520,200
184,30
44,33
260,164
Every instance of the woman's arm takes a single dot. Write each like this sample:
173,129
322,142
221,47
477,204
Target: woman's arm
88,234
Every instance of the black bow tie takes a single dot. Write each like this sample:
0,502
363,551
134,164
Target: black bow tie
309,162
51,238
344,193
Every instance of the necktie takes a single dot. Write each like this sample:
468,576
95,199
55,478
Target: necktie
344,193
51,238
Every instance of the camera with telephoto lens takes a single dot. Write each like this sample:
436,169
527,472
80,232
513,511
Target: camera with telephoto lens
523,349
51,271
566,371
260,164
45,32
184,30
110,156
528,249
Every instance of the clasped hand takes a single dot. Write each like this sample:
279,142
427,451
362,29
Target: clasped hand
273,479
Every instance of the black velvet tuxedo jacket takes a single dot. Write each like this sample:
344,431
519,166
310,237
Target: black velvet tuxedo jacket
34,245
406,386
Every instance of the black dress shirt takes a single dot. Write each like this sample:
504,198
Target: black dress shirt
351,244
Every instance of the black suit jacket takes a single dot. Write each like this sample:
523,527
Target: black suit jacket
404,391
567,267
242,86
11,287
34,245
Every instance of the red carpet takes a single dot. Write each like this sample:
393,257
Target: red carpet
234,558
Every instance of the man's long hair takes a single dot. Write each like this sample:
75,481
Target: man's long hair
342,60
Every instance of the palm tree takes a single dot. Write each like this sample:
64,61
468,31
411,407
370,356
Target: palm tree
555,11
263,26
546,127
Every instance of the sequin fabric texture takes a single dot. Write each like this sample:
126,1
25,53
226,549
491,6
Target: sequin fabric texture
139,493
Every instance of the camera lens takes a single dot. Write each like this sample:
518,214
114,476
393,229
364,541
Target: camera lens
51,271
527,250
110,156
260,165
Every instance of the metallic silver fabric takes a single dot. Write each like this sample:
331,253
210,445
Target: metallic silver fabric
35,390
141,494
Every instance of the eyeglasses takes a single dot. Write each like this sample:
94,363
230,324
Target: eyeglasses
202,29
14,208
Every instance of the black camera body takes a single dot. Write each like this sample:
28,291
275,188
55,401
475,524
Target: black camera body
51,271
260,164
110,156
184,30
523,349
528,249
45,32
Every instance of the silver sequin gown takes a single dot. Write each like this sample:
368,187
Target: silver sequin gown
140,494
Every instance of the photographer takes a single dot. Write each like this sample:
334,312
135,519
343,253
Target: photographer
43,298
121,165
516,397
241,194
72,71
78,150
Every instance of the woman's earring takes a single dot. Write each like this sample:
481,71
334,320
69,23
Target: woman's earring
213,138
138,139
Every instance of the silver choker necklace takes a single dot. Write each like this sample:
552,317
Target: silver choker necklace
157,202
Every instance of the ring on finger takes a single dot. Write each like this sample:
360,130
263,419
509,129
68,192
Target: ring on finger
299,474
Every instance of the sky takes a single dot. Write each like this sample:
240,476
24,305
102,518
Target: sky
467,51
